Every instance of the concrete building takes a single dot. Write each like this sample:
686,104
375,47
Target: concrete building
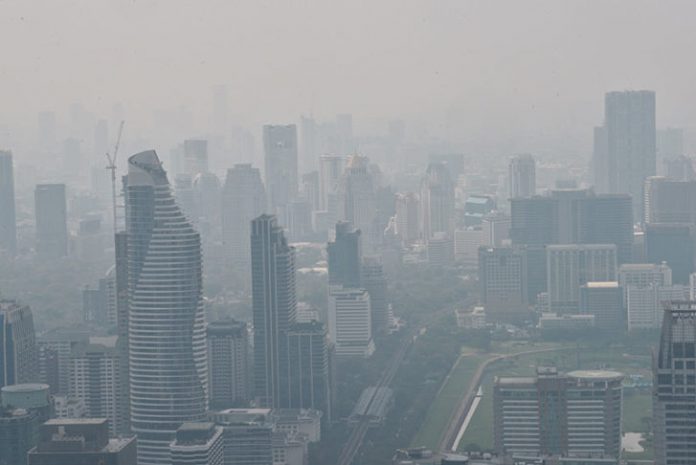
247,435
330,172
280,157
345,256
640,275
8,219
198,444
55,349
437,201
228,363
50,209
570,266
674,386
576,414
522,176
33,397
168,370
673,244
350,322
274,307
466,245
195,157
502,279
669,201
18,429
358,201
604,301
18,350
374,282
440,249
645,304
81,442
408,218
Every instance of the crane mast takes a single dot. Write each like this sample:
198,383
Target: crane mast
112,167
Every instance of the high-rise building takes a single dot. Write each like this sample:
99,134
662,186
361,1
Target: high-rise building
576,414
310,189
280,152
674,385
644,305
375,283
206,196
94,379
19,361
247,435
673,244
18,428
639,275
198,444
669,201
228,363
600,160
330,172
274,305
8,220
358,200
606,219
167,341
51,221
55,349
310,368
74,441
243,199
350,322
605,301
437,201
680,168
503,284
629,118
195,156
345,256
570,266
669,143
522,175
407,218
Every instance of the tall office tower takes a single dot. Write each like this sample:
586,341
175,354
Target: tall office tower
167,345
350,322
195,156
575,414
55,348
243,199
73,441
18,428
310,368
606,219
407,218
280,155
680,168
274,305
330,171
669,201
310,143
673,244
94,379
310,189
358,200
522,175
18,351
673,386
121,309
669,143
51,221
375,283
228,354
605,301
345,256
503,283
534,221
185,197
8,220
247,435
298,220
437,201
600,149
629,118
570,266
206,195
496,229
198,444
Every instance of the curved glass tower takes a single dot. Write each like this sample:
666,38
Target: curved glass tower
167,345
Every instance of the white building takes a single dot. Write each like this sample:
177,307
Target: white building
350,316
645,309
69,407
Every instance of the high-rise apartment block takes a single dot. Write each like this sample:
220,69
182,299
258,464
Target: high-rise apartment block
576,414
375,283
167,342
522,176
8,220
18,350
228,363
51,221
437,201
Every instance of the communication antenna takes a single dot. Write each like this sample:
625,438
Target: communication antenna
112,167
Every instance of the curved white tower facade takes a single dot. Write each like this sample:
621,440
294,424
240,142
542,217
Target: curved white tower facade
167,342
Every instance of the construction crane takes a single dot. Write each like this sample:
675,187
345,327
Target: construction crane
112,167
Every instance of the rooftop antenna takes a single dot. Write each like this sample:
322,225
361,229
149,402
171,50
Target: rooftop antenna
112,167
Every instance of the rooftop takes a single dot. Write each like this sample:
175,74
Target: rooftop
603,284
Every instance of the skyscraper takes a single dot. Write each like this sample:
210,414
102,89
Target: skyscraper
407,218
437,201
280,154
604,300
375,283
671,243
358,200
195,156
243,199
8,220
345,256
51,221
522,176
669,201
167,342
228,353
629,118
18,351
674,385
273,307
330,171
503,283
350,322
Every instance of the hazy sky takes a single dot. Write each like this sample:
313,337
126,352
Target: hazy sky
532,70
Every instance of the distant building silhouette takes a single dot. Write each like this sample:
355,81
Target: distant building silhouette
51,221
8,220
